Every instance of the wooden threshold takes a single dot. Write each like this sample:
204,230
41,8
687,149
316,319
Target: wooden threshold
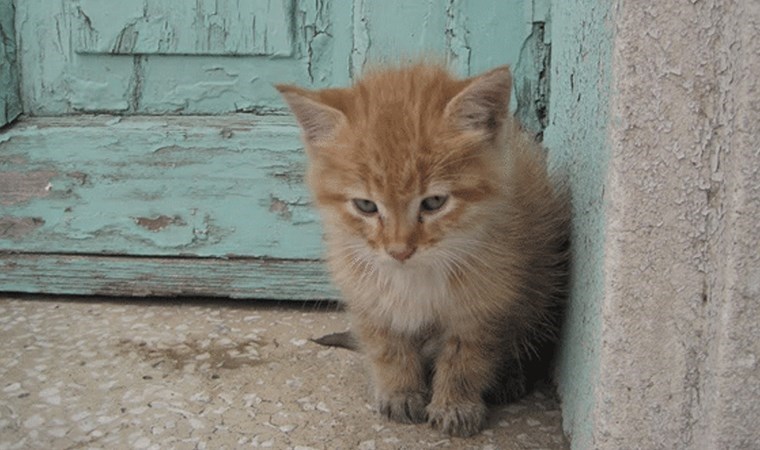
165,277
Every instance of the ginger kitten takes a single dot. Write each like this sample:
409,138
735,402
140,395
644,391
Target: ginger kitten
444,231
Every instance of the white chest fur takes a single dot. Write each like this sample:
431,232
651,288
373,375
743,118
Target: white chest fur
408,297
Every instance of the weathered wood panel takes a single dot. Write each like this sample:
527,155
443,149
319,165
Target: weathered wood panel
204,27
471,35
145,56
10,102
115,276
200,186
220,56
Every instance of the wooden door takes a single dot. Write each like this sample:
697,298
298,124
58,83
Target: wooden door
10,103
155,158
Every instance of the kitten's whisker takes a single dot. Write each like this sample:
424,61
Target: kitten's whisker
483,284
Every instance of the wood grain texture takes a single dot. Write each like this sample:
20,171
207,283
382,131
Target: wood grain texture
144,277
156,186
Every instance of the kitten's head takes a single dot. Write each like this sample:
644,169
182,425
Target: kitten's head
406,161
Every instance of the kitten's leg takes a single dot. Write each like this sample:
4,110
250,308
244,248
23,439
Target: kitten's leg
400,383
511,383
464,370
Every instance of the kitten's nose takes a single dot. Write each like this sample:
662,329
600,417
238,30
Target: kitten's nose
401,253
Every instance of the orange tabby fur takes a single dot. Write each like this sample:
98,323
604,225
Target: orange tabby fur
441,301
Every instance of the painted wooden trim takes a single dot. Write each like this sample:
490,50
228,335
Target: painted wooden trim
150,277
10,100
204,27
170,57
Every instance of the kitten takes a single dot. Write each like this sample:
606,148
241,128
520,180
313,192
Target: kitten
444,232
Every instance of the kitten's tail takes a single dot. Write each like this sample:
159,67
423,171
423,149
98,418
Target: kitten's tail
344,339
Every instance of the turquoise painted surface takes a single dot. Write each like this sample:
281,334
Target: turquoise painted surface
531,73
10,102
576,136
158,57
220,56
157,186
208,27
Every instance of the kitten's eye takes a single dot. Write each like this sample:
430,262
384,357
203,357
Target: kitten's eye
365,206
433,203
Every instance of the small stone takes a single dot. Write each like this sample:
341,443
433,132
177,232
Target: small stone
367,445
287,428
80,416
12,387
51,396
323,407
58,432
34,421
294,383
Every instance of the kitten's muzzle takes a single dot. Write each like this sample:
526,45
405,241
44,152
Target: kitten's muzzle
401,254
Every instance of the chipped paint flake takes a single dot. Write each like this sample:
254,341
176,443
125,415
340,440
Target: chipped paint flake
21,187
18,227
281,208
158,223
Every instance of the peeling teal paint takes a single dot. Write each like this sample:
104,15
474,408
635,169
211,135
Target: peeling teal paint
231,185
212,57
10,102
532,79
216,57
208,27
576,137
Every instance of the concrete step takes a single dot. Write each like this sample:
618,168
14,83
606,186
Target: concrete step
200,374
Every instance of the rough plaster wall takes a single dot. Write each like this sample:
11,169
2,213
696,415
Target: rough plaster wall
731,385
577,139
678,357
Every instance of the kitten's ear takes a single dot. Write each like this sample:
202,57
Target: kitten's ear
317,120
484,104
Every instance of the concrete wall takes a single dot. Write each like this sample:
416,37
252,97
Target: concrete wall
661,343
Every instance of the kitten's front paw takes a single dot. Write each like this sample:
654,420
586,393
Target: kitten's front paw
458,419
404,407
